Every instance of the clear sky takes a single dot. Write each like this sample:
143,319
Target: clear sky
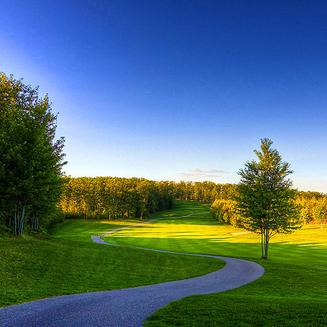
177,89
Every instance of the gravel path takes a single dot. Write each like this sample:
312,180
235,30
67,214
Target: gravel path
127,307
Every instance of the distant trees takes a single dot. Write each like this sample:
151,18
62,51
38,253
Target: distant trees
104,197
223,205
205,192
31,181
113,197
320,212
225,211
313,207
221,197
31,158
265,198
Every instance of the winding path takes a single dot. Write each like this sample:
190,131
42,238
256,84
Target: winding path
127,307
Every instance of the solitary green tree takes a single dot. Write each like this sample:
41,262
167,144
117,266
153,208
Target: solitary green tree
265,198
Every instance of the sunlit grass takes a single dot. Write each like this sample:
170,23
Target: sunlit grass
295,278
293,291
201,231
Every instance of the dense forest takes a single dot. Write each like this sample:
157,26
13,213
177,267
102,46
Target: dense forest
113,197
312,206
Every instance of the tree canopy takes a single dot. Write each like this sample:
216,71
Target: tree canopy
265,197
114,197
31,158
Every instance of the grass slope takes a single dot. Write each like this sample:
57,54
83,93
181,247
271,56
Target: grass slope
68,262
293,292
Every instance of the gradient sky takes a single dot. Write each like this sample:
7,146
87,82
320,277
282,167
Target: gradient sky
177,89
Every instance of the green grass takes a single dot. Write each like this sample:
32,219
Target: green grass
293,291
68,262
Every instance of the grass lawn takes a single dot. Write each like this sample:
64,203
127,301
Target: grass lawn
293,291
68,262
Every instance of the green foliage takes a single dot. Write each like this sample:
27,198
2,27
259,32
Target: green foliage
205,192
222,200
265,197
225,211
113,197
31,158
320,212
313,209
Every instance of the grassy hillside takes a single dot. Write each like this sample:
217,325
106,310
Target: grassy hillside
68,262
293,292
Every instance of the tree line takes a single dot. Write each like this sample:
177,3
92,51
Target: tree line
114,197
312,208
205,192
34,192
222,198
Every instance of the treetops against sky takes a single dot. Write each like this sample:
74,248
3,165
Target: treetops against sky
112,197
157,89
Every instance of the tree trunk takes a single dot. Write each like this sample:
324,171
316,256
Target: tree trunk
15,223
264,243
18,220
35,223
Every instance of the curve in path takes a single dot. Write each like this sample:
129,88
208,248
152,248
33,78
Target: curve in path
127,307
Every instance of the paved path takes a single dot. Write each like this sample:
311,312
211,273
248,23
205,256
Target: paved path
127,307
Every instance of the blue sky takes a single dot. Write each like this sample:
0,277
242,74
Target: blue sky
177,89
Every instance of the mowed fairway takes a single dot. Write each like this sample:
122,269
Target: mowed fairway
68,262
293,292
